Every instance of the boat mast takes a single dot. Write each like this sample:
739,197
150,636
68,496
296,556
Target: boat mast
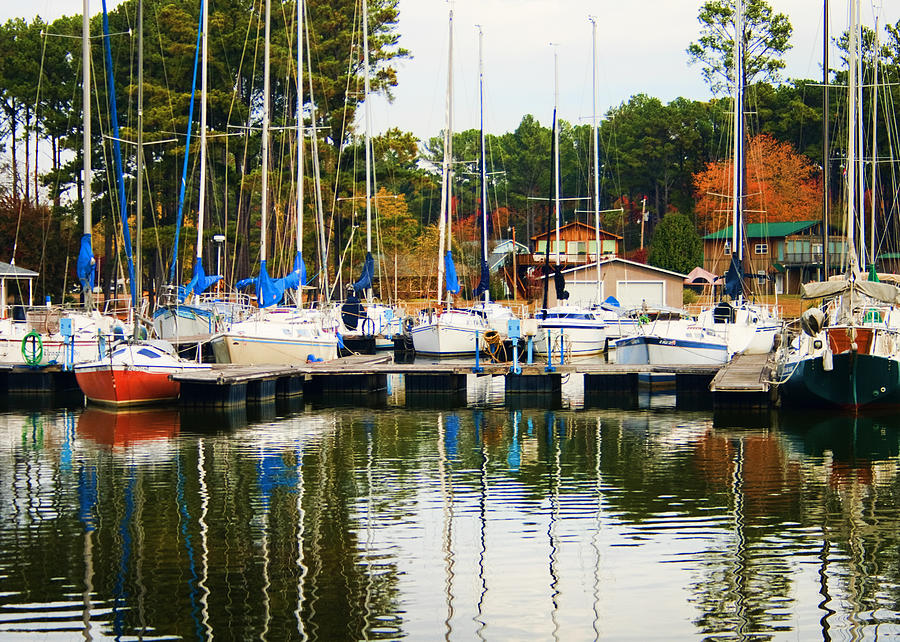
851,128
265,140
139,214
301,5
738,177
556,147
444,221
86,141
484,191
368,129
860,148
826,152
201,204
873,184
596,134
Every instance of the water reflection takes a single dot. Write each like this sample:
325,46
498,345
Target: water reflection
483,523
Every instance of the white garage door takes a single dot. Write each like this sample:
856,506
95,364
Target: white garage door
634,293
582,292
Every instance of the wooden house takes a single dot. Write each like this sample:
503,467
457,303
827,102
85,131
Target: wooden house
780,255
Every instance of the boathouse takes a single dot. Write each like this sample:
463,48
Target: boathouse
629,282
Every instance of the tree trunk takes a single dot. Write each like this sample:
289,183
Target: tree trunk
15,166
27,155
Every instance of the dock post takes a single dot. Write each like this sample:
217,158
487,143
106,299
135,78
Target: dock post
530,349
477,369
549,367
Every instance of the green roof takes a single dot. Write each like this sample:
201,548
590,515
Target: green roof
889,255
764,230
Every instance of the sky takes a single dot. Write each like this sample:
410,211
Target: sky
641,49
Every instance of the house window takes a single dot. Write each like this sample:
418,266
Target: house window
727,249
608,246
576,247
761,248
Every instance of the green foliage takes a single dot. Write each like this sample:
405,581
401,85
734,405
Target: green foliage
766,37
676,245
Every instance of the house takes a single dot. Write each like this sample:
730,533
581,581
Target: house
632,284
577,246
783,255
14,292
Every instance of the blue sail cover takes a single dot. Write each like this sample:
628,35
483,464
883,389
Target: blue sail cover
268,290
734,285
365,279
450,274
485,283
300,269
199,282
86,266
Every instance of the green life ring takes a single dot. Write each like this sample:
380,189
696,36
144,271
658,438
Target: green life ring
32,348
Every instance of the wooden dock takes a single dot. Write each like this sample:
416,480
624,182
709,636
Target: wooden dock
744,381
364,379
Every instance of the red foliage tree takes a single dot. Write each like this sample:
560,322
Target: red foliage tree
782,185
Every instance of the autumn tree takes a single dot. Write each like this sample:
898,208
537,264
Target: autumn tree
782,185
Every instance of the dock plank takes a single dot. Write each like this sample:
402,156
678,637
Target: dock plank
744,373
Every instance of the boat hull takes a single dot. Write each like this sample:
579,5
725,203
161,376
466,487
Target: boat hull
578,341
123,386
443,340
854,380
249,350
654,350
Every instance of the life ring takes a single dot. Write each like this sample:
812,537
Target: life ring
32,348
367,322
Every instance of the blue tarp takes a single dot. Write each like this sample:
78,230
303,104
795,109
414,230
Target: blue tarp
300,268
365,279
268,290
613,301
199,282
450,274
86,266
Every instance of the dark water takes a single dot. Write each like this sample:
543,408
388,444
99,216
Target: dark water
477,523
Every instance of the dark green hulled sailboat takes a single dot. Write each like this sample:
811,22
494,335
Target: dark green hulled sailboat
848,351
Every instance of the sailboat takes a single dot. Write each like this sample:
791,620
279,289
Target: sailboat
40,339
848,351
187,312
746,327
134,372
278,335
571,329
368,323
450,332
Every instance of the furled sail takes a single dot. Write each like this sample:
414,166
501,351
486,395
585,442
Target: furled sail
450,274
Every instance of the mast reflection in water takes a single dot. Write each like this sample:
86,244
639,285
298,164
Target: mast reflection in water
455,524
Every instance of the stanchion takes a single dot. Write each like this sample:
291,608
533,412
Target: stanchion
477,369
549,367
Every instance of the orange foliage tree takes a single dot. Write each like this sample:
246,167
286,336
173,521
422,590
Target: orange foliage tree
782,185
